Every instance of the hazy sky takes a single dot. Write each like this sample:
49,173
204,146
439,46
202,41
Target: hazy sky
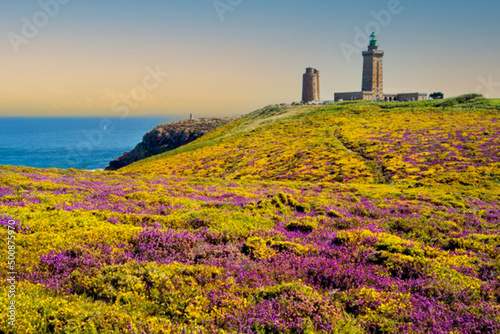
229,57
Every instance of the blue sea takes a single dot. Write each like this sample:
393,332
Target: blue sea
81,143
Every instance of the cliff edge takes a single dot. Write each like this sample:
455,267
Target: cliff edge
167,137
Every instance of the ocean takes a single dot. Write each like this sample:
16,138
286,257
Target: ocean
80,143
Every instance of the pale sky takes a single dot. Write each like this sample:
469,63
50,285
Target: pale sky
86,57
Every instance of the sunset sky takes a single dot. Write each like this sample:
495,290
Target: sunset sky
88,55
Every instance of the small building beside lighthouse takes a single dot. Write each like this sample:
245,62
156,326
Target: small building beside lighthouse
310,87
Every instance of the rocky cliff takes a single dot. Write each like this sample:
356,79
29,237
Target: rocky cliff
167,137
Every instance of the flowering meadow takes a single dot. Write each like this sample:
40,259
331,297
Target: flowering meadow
349,218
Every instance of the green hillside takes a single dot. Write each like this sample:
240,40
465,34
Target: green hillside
344,218
349,142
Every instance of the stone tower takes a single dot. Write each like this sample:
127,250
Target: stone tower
310,90
373,79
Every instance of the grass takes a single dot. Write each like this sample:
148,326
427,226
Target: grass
355,217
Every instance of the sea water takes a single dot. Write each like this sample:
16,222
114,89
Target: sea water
81,143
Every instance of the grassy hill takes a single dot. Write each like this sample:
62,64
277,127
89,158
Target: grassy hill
345,218
350,142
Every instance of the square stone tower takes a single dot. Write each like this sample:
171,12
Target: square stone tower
373,79
310,90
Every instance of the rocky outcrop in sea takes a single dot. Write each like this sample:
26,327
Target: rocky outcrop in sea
167,137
